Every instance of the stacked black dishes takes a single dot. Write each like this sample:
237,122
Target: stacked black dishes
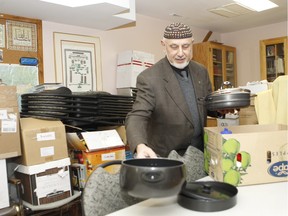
85,109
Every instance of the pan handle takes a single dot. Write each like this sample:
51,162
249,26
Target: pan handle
110,163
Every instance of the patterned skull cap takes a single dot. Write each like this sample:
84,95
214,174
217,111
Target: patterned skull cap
177,31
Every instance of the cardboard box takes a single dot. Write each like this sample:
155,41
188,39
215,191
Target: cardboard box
4,192
252,154
97,147
10,145
230,119
129,65
42,141
45,183
96,158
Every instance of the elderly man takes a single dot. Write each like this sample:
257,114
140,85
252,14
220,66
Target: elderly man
167,114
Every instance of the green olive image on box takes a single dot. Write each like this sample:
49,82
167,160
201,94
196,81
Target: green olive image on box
234,161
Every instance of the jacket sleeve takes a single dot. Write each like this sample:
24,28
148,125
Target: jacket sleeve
137,120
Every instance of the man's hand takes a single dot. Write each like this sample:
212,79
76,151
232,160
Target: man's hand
143,151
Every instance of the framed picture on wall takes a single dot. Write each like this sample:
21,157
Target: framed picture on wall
78,62
21,36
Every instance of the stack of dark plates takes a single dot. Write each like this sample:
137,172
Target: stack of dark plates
78,109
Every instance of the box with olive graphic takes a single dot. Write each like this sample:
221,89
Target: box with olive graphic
249,154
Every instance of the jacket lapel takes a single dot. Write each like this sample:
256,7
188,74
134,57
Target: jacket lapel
174,90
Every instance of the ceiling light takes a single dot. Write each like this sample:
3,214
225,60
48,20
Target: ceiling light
231,10
257,5
73,3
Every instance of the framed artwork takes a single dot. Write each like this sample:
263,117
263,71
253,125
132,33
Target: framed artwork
78,62
21,36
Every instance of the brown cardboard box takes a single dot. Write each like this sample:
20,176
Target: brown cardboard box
97,147
252,154
45,183
42,141
9,123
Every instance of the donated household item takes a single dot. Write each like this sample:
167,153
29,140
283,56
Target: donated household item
227,97
207,196
96,147
42,141
150,177
129,65
4,193
250,154
9,123
45,183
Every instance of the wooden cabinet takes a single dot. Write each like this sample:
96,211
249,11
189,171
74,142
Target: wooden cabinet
273,58
220,61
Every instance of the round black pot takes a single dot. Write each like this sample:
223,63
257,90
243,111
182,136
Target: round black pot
151,177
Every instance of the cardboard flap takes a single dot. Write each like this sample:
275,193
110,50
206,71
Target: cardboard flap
96,140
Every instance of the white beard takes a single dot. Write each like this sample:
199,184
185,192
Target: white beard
179,66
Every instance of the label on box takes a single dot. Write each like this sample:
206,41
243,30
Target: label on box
108,157
47,151
3,114
46,136
51,184
9,126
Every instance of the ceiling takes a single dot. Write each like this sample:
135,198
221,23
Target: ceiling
106,16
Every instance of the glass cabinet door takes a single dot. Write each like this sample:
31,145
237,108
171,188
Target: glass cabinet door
273,58
217,68
230,67
275,61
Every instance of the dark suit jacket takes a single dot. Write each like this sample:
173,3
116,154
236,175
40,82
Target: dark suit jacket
160,117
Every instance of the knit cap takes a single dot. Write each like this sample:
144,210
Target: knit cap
177,31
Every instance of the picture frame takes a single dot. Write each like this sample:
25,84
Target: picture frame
21,36
78,62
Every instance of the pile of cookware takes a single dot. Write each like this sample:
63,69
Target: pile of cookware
83,109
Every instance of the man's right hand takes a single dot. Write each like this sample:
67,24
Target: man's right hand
143,151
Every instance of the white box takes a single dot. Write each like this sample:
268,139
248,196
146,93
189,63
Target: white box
45,183
130,64
230,119
4,193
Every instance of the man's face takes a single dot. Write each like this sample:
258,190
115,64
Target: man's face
178,51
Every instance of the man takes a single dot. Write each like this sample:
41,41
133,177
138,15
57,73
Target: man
169,112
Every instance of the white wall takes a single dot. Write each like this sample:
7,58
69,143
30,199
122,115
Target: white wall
145,36
247,43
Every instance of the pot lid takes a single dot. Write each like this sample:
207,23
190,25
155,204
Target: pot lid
231,91
207,196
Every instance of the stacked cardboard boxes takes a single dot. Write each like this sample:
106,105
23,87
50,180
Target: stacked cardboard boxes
10,145
44,167
129,65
